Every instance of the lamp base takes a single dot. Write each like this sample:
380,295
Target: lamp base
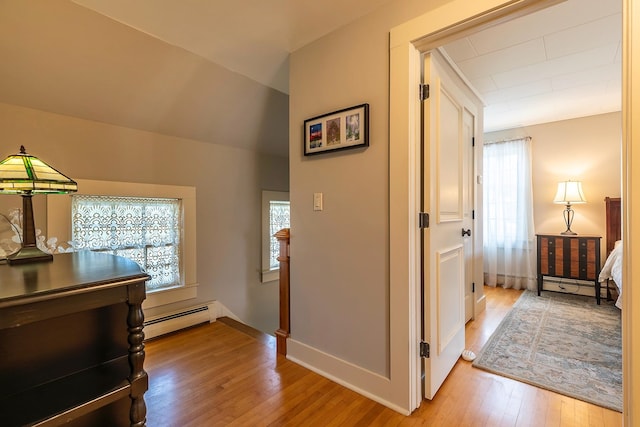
569,233
28,254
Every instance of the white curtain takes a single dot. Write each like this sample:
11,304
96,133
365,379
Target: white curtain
509,236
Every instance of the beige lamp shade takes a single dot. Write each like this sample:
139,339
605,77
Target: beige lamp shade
569,192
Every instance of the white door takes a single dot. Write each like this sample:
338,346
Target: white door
447,120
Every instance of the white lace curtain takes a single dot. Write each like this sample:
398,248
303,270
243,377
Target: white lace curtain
145,230
509,236
279,218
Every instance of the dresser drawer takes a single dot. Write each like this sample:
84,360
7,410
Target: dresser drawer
569,257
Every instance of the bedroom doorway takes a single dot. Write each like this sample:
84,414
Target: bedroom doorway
420,35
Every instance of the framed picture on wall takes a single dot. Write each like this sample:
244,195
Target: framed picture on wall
339,130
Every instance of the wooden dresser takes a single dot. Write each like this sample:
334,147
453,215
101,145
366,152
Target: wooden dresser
569,257
71,342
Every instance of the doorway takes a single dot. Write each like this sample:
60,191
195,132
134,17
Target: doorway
407,43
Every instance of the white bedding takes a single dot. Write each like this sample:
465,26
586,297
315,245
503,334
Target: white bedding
613,270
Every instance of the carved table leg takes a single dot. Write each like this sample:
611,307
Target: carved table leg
138,377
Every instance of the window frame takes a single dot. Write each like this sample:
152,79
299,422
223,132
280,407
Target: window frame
59,225
267,273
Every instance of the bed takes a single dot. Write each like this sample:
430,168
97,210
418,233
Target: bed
612,269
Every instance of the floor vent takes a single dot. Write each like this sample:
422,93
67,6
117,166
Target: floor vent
171,322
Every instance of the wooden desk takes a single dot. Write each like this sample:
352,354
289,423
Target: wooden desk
71,342
569,257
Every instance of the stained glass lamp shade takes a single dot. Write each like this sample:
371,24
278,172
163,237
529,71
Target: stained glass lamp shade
569,192
26,175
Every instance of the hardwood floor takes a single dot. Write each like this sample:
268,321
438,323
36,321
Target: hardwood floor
223,374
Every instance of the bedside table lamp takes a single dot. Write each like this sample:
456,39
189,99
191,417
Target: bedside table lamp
26,175
569,192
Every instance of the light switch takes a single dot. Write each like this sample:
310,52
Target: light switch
317,201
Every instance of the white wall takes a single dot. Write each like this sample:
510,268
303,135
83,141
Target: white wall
228,182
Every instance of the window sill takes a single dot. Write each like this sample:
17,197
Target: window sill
170,295
271,275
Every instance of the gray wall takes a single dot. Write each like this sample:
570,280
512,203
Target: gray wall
100,100
228,185
340,256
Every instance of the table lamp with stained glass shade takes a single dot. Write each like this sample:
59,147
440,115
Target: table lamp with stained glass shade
27,175
569,192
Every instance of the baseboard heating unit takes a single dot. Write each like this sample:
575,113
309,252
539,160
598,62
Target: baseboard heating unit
174,321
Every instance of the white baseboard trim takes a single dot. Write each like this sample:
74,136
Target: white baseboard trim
481,304
369,384
223,311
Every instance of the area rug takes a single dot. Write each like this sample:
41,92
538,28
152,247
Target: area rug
560,342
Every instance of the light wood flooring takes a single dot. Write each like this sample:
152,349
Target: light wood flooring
223,374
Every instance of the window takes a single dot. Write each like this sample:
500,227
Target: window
278,219
145,230
59,225
508,232
275,217
502,169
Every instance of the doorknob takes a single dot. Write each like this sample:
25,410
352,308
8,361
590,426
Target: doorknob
466,232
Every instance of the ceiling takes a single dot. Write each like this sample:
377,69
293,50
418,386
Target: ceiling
251,37
562,62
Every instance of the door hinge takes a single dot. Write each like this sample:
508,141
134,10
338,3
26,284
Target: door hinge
424,92
473,287
424,350
473,141
423,220
473,214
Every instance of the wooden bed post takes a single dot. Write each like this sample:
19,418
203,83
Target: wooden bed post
613,219
283,331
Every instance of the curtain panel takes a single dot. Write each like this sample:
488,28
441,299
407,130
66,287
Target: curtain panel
509,236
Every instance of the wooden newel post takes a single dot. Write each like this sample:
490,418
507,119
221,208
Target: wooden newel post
285,328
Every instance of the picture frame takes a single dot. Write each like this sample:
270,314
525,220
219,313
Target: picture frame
339,130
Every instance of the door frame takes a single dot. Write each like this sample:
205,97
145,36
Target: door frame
451,21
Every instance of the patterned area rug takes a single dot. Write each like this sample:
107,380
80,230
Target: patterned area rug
560,342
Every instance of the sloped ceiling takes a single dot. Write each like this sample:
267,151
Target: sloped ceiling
252,37
204,69
559,63
64,58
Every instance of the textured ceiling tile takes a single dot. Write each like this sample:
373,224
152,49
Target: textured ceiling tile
527,53
460,50
563,65
576,39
